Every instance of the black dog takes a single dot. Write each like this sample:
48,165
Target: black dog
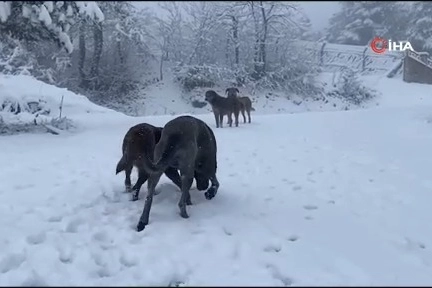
138,149
189,145
236,104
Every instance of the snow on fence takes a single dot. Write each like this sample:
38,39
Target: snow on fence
417,67
333,57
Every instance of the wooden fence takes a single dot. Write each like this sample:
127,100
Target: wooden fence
333,57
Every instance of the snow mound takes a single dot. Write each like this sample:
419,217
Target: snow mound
396,93
25,100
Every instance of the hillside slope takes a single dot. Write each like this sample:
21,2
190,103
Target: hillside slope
331,198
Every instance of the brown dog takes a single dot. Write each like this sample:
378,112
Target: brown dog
138,148
221,106
245,105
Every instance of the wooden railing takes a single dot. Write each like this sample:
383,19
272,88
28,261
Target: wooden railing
417,67
359,58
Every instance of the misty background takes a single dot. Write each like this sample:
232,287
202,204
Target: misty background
318,12
113,52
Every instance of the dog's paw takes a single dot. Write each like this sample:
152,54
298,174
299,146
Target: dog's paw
140,226
210,194
134,197
184,214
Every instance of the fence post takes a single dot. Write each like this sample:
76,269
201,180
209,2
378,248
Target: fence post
364,59
322,54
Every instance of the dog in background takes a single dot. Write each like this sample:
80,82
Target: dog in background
244,103
221,106
232,94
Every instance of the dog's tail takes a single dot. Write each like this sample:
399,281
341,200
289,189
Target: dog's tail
121,165
167,155
130,154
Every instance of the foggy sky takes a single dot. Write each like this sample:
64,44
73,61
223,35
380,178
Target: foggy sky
318,12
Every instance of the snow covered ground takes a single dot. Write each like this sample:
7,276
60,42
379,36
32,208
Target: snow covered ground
329,198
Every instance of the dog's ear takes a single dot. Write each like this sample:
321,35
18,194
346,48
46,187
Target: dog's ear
237,90
226,91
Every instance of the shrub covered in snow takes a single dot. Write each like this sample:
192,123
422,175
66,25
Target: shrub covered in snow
29,114
27,104
349,87
296,78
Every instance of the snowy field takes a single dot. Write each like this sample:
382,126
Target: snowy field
324,198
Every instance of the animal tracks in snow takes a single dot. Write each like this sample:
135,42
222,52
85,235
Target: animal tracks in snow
35,239
293,238
12,261
276,273
310,207
273,247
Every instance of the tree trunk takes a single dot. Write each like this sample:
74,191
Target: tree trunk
227,51
263,40
120,53
236,42
161,67
82,54
98,45
257,56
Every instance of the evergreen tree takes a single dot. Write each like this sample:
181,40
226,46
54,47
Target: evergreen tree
357,22
420,32
35,21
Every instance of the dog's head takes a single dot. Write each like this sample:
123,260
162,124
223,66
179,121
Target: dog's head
210,95
232,92
202,182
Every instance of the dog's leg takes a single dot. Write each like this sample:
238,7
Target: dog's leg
212,191
216,115
230,119
187,179
142,178
243,114
248,112
174,176
151,185
236,115
127,182
221,120
202,182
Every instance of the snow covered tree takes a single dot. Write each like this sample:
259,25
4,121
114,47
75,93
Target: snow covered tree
44,20
170,32
200,30
269,19
396,17
122,48
420,31
357,23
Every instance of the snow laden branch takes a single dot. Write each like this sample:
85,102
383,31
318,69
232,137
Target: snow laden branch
45,20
